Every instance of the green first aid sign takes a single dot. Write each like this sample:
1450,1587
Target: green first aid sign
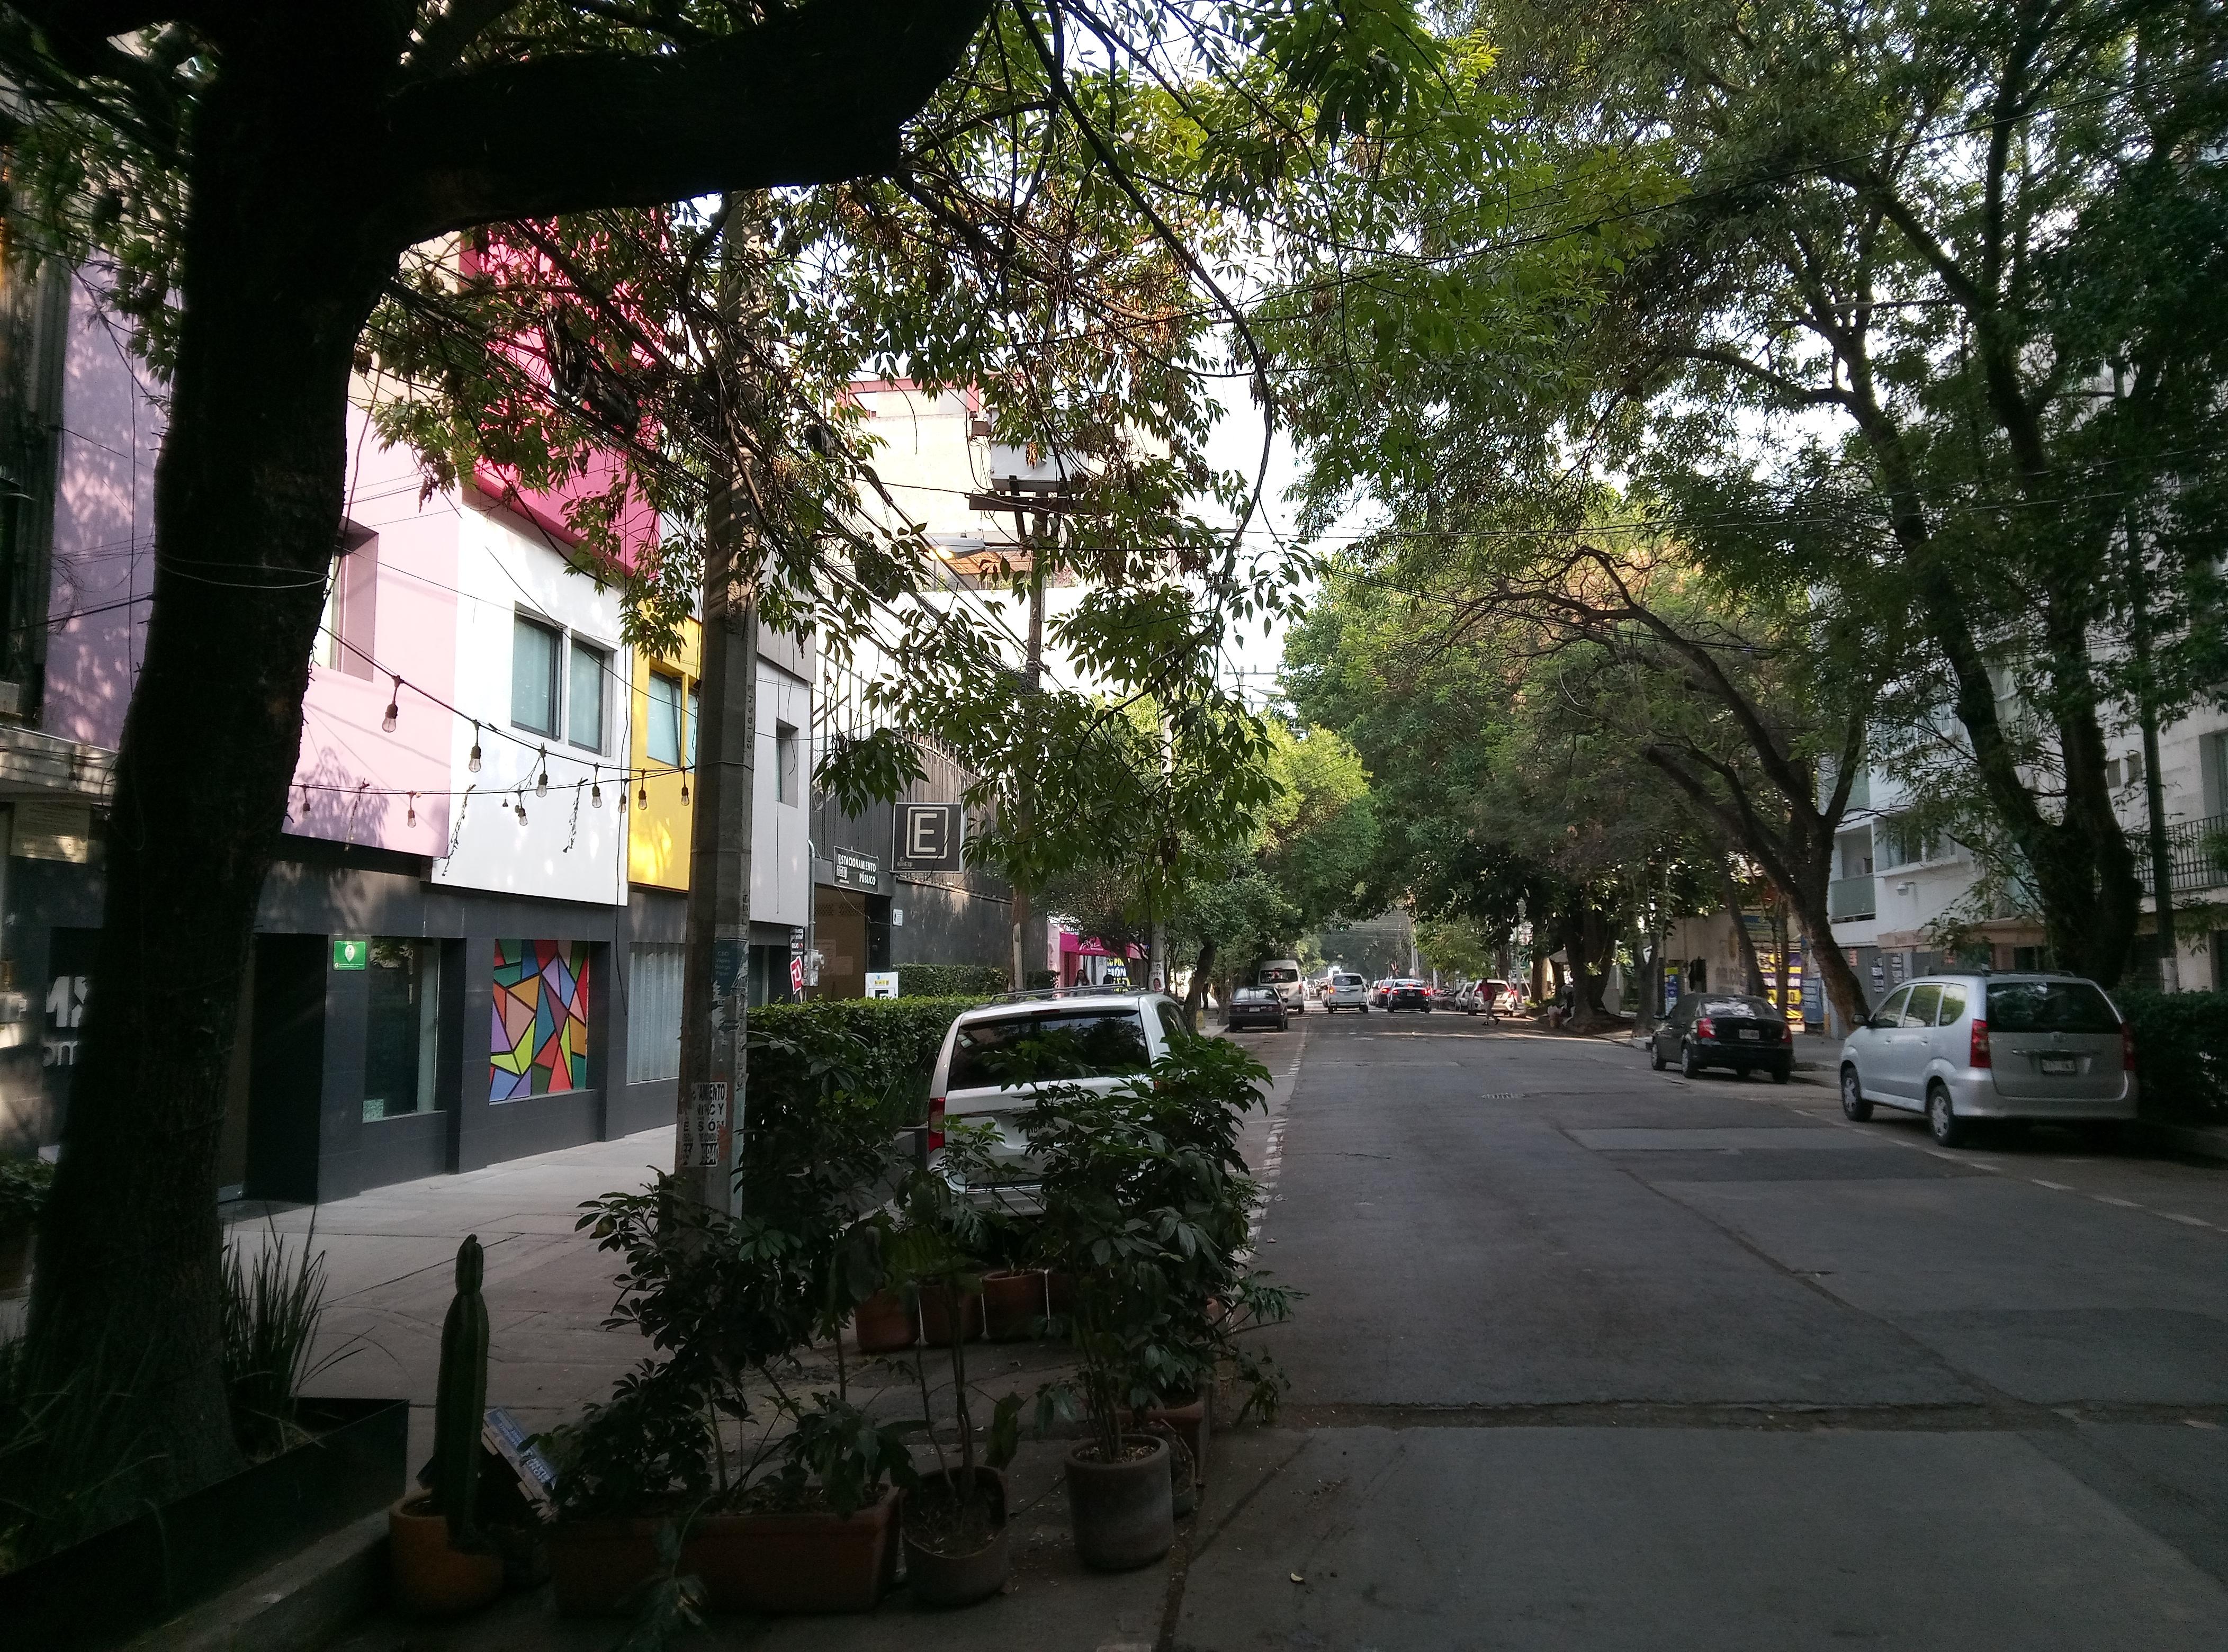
350,955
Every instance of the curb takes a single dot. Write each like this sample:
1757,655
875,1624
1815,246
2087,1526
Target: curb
304,1601
2198,1140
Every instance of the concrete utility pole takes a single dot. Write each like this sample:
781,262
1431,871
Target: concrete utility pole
716,952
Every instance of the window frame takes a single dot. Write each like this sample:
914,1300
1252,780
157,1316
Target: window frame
659,681
522,622
576,645
785,765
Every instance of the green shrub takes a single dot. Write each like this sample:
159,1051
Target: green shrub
23,1184
951,980
886,1049
2181,1053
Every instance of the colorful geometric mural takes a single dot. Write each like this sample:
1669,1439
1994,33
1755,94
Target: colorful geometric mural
539,1030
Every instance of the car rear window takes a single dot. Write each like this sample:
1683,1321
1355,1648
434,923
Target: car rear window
1270,977
1006,1050
1349,980
2050,1007
1756,1008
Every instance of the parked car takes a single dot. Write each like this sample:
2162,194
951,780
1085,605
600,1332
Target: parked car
1722,1029
1257,1007
1378,988
1481,997
1961,1048
1407,993
998,1057
1347,991
1283,976
1511,997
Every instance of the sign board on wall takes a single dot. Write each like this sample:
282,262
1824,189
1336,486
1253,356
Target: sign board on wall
930,837
881,984
350,954
857,871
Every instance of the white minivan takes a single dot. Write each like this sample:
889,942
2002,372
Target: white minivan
1345,990
1283,976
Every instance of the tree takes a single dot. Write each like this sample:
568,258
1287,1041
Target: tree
256,178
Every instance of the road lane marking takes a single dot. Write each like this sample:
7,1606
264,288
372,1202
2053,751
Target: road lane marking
2107,1199
2055,1187
2187,1221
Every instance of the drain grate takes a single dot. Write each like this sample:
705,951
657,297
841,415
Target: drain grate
1502,1095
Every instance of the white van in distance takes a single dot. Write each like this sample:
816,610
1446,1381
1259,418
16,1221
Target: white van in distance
1283,975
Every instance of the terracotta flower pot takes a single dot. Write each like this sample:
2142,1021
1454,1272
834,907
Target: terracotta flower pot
884,1323
1192,1422
939,1578
1013,1305
432,1579
759,1563
1124,1512
936,1318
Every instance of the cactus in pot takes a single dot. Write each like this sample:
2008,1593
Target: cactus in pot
460,1400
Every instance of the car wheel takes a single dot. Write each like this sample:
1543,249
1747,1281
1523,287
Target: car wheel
1656,1060
1688,1063
1942,1120
1781,1074
1854,1107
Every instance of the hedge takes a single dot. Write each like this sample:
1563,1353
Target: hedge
2181,1053
890,1045
949,980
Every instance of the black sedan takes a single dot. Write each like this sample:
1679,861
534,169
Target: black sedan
1408,994
1257,1007
1718,1029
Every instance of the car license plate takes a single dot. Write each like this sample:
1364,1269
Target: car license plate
1749,1032
2060,1064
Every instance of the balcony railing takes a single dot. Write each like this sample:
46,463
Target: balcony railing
1852,897
2193,852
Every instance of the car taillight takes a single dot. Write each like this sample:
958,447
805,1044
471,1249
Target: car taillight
1706,1029
935,1122
1978,1055
2127,1048
1786,1033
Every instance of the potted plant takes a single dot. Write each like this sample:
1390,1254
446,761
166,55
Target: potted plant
23,1184
1147,1210
956,1545
442,1562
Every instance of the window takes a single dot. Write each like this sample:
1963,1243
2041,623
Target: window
1890,1013
665,720
653,1014
344,630
402,1030
583,724
1925,1001
784,763
1953,1006
695,716
1033,1049
1173,1030
2049,1007
534,650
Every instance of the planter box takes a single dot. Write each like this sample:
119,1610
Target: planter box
749,1563
123,1579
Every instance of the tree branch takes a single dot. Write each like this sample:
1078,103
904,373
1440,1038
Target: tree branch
812,96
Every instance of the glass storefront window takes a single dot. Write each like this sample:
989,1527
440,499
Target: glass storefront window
402,1036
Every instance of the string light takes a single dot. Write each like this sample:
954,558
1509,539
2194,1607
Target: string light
596,790
520,806
684,788
642,795
474,766
394,706
542,785
412,820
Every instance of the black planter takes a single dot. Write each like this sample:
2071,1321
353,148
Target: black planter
123,1579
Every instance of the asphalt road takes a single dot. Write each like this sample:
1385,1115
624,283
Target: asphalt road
1595,1357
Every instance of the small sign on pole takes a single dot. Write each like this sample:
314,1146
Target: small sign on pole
881,984
702,1129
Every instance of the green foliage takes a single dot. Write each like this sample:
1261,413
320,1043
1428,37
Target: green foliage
23,1185
68,1439
2181,1053
975,980
878,1054
273,1302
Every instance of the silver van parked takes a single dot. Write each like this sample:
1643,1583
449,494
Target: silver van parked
1959,1047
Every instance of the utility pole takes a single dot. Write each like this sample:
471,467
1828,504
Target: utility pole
1037,505
2139,640
715,1002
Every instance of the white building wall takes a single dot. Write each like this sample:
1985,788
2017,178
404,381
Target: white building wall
781,861
505,567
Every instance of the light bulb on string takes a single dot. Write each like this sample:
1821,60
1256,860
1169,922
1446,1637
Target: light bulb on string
519,806
642,795
394,706
596,790
684,787
412,820
541,783
474,766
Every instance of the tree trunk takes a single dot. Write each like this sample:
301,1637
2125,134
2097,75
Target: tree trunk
248,496
1752,969
1195,994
